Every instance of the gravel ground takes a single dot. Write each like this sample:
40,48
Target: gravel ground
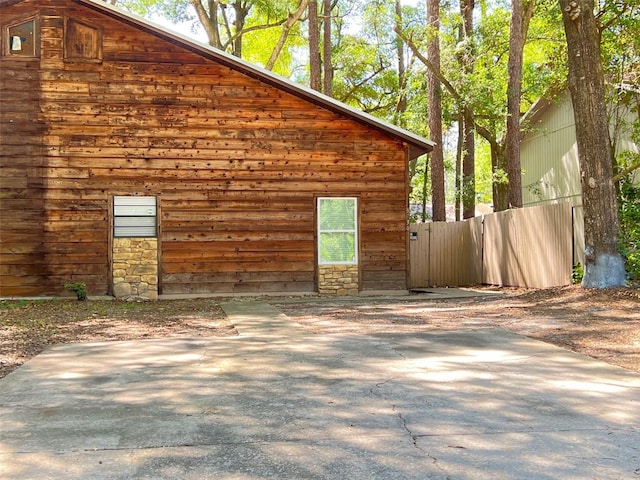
601,324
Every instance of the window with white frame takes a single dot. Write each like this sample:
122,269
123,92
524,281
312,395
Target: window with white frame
338,230
134,217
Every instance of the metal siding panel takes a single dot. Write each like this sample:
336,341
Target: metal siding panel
493,251
456,253
530,247
419,252
578,234
549,156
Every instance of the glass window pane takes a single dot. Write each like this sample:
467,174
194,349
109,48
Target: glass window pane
337,248
22,39
337,231
337,214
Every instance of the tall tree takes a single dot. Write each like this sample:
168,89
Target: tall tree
604,266
315,73
468,123
327,65
401,107
434,92
521,11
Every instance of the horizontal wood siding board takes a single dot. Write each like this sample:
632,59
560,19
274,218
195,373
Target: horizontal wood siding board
236,163
239,257
234,277
141,53
298,286
22,263
384,280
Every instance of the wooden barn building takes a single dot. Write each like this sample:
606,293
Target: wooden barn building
143,163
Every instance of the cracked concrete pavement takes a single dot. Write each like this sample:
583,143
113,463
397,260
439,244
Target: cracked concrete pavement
280,402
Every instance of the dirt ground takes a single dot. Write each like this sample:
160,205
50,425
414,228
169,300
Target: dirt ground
601,324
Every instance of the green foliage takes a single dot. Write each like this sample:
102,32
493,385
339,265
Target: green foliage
577,273
337,247
484,174
258,42
365,59
79,288
629,188
620,42
10,304
545,54
175,11
629,204
263,20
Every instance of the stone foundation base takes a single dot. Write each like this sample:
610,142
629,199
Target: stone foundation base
338,280
135,268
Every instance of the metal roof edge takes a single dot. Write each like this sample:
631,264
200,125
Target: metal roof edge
537,110
418,145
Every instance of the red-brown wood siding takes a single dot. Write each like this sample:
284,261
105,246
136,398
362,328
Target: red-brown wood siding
236,165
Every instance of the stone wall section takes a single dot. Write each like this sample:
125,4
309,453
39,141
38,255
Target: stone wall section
135,268
339,280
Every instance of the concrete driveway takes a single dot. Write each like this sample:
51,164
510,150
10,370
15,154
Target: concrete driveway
278,402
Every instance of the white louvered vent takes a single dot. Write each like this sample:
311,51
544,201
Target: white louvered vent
134,217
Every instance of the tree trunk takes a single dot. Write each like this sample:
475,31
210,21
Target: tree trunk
241,11
435,112
521,11
458,176
468,168
604,266
469,149
500,182
326,48
401,106
209,21
425,190
314,47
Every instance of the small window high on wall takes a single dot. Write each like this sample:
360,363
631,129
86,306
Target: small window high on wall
21,39
337,231
135,217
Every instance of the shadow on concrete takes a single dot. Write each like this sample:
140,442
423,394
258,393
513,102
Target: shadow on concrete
463,405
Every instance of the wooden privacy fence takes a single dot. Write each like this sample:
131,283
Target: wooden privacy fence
527,247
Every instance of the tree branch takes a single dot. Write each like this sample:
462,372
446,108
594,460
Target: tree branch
603,26
626,172
357,85
484,132
291,20
255,28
